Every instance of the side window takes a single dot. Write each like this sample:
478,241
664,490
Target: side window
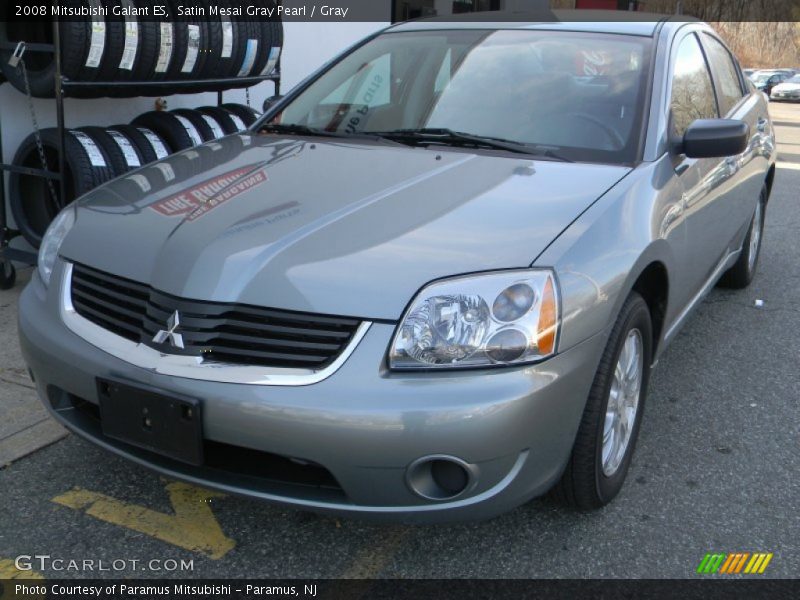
725,73
692,91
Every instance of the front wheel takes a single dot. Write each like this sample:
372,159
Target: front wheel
610,424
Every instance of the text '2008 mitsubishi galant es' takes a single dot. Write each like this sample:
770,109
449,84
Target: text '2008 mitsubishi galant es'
430,283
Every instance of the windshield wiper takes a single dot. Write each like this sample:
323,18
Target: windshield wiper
458,138
296,129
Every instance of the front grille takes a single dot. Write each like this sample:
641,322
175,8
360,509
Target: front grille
219,332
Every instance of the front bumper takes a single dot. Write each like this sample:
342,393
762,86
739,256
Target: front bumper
364,425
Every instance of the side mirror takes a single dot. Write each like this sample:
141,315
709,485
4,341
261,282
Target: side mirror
714,138
270,102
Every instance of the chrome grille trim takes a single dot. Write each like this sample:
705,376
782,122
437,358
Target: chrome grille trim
192,367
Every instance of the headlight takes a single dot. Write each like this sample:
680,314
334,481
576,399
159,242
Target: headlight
495,319
51,242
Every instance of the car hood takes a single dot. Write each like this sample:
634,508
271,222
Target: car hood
324,225
786,87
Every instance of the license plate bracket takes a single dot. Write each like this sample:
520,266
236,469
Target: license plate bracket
168,425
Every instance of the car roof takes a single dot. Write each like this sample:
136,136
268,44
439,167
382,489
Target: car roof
591,21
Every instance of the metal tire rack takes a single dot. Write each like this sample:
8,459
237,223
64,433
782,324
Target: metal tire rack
62,88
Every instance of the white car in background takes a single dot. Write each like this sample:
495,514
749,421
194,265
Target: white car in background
788,90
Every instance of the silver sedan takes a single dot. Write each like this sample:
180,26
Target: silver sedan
431,283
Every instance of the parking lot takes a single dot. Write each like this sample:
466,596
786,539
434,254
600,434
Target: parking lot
715,470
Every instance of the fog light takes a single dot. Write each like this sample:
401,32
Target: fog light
440,477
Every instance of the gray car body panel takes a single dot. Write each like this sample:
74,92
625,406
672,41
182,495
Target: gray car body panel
372,225
364,424
325,243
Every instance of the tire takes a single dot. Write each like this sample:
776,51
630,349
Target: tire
169,127
277,41
141,64
149,46
116,158
253,43
177,55
144,148
130,153
221,116
246,113
585,484
114,49
741,274
229,66
75,43
29,197
265,41
213,67
203,127
186,31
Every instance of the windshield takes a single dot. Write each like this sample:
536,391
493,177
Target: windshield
795,79
578,95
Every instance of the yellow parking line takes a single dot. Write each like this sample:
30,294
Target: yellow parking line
193,526
372,560
8,570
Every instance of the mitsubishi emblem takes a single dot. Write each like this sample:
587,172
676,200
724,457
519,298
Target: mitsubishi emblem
175,339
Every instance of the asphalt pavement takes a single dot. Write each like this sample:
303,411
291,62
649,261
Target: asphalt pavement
715,471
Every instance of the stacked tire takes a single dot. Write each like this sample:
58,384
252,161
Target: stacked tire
128,49
95,155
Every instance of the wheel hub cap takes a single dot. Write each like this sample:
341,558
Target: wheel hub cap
623,402
755,238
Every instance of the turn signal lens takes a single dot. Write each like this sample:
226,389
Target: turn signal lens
546,337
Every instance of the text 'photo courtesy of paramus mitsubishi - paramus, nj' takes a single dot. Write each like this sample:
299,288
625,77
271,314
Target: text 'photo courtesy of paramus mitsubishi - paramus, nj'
430,283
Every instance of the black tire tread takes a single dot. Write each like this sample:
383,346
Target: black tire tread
739,275
167,126
246,113
577,487
33,214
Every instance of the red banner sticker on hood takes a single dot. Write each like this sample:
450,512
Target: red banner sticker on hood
204,197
